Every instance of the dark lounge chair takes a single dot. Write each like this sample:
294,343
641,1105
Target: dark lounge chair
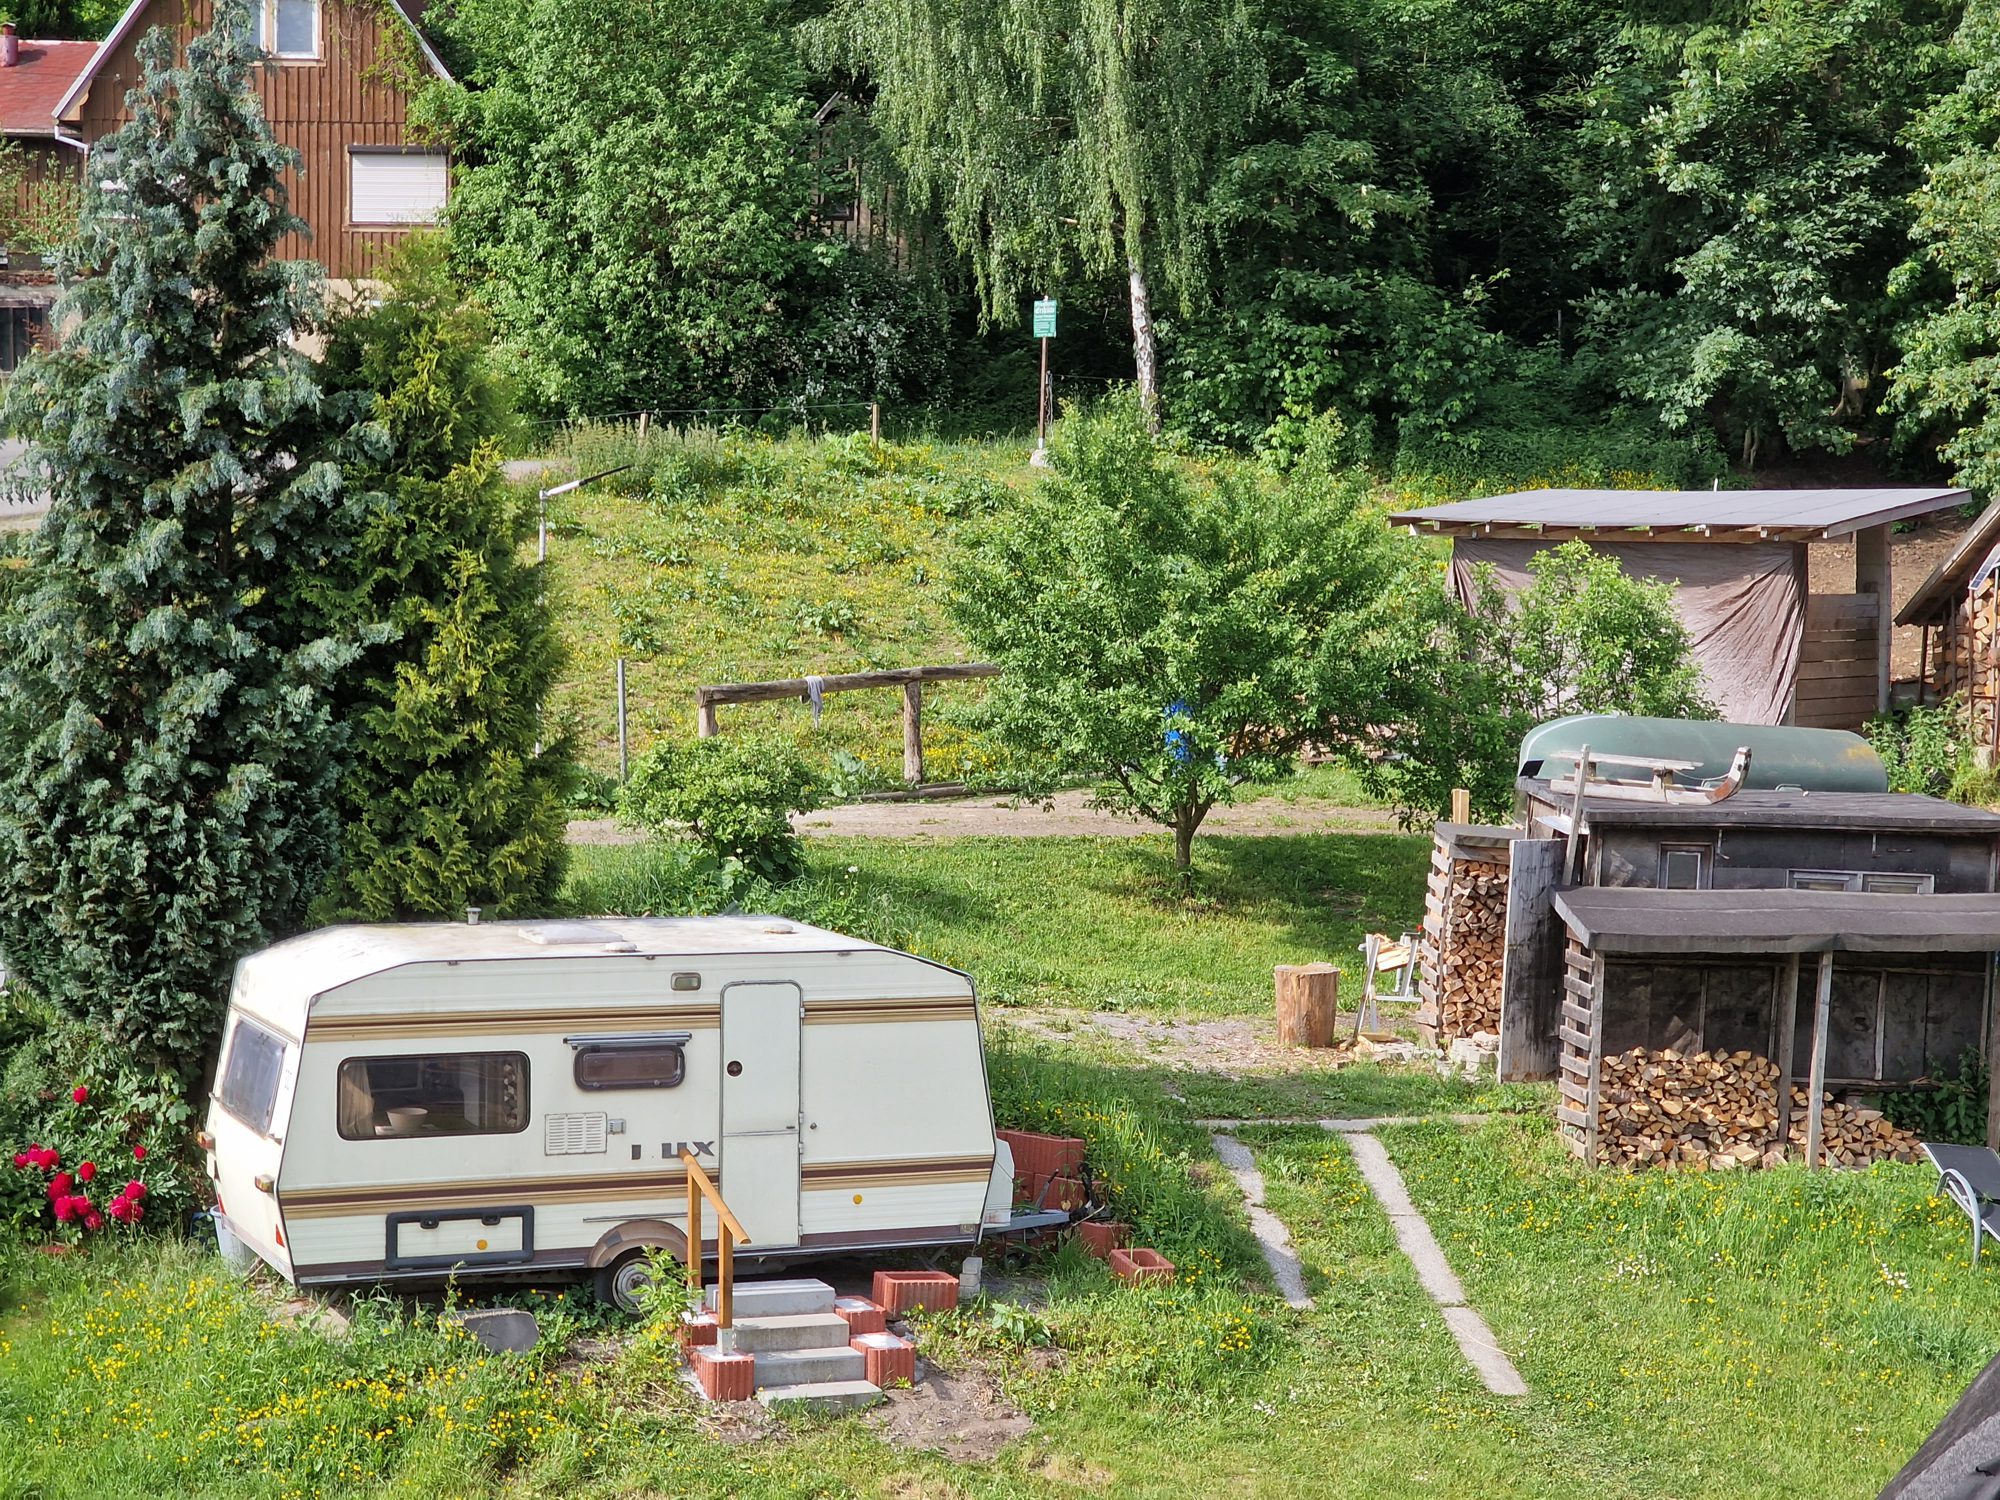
1970,1177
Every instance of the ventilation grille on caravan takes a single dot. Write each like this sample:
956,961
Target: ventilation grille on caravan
572,1135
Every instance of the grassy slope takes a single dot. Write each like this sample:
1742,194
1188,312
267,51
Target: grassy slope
741,558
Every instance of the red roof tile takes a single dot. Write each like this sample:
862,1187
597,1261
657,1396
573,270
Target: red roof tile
30,90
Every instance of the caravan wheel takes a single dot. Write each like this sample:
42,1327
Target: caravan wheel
620,1283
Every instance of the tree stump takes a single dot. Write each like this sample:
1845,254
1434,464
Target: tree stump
1308,998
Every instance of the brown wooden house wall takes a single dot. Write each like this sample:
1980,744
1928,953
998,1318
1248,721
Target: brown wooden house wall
349,96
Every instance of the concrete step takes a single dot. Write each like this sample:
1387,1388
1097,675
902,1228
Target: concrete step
821,1395
792,1331
809,1366
777,1299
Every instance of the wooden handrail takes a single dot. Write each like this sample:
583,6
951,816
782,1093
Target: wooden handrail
729,1231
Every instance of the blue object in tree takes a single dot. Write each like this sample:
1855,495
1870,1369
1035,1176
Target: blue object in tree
1177,740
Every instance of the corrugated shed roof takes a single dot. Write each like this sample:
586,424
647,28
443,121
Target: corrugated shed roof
1828,513
29,90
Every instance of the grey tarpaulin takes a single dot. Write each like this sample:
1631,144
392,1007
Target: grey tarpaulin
1742,602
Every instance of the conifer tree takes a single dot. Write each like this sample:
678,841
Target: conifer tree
451,798
167,749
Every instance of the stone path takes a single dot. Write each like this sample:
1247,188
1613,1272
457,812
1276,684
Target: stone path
1272,1236
1413,1234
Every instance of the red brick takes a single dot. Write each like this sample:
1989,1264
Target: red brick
1140,1264
863,1316
697,1330
890,1360
726,1377
1049,1155
899,1291
1099,1237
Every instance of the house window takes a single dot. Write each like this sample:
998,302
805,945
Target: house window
20,331
1900,885
249,1086
289,28
431,1094
395,185
1826,880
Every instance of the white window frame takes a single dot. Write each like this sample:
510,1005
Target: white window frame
358,153
267,32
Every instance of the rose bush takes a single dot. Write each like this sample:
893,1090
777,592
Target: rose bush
130,1126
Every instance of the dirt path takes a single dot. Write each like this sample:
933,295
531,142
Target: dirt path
1069,817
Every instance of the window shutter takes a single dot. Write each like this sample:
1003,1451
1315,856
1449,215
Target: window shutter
396,187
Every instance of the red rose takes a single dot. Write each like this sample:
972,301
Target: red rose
138,1153
93,1220
135,1190
122,1209
87,1171
80,1094
20,1158
65,1210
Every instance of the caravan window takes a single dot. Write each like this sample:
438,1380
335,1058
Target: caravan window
249,1086
457,1093
654,1066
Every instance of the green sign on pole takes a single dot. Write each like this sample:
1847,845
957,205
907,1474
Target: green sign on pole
1045,318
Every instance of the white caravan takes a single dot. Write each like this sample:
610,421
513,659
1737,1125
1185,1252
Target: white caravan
511,1099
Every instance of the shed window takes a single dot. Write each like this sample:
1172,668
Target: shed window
249,1086
1826,880
1683,867
659,1065
391,185
1891,884
457,1093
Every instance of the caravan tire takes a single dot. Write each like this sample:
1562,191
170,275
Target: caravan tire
619,1283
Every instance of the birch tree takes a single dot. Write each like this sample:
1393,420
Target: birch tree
1057,137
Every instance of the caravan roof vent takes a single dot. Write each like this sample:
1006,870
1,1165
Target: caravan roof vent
621,947
562,934
780,928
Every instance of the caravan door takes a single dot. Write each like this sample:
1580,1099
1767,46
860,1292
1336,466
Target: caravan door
760,1109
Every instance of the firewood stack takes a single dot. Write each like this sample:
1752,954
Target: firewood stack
1465,939
1719,1110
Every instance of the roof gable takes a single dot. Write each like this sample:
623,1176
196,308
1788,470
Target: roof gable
29,90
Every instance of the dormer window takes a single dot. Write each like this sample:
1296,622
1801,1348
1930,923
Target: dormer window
289,28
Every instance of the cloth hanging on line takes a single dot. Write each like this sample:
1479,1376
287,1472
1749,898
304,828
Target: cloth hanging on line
815,695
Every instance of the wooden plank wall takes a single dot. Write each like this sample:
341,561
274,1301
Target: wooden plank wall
1531,979
1837,662
349,96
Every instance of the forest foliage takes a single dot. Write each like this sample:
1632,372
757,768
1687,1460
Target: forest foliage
1584,239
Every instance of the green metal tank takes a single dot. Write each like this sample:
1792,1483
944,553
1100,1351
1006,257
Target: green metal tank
1816,760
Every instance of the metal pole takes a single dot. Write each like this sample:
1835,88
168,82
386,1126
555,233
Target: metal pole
875,421
624,761
1042,401
542,528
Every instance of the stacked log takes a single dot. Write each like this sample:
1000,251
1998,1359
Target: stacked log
1464,945
1719,1111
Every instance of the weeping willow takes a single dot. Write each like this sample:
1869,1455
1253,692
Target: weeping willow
1056,137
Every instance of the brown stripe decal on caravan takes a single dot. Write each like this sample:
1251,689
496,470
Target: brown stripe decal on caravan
880,1012
403,1024
338,1202
942,1171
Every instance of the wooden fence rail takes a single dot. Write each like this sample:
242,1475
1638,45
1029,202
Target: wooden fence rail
910,679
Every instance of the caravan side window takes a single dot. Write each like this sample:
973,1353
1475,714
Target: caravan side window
660,1065
249,1085
457,1093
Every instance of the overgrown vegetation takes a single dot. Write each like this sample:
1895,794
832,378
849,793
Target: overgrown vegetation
732,799
1931,748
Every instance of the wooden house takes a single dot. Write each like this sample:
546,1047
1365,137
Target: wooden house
336,89
1772,651
34,75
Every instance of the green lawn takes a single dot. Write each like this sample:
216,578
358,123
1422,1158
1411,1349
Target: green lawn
1097,923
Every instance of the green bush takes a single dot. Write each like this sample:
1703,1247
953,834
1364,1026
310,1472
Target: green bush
1953,1111
1929,748
732,798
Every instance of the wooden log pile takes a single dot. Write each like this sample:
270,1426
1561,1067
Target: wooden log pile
1464,945
1719,1111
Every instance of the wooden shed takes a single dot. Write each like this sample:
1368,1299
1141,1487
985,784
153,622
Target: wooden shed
1671,927
1898,987
1773,652
1958,609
